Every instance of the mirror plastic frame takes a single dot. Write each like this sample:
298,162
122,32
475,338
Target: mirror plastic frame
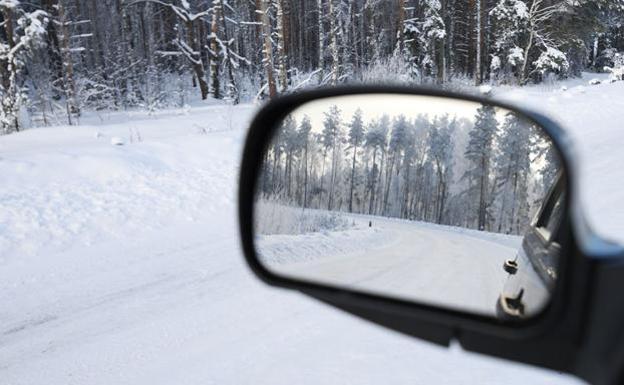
555,338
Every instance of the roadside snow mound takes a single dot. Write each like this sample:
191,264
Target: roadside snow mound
288,248
276,218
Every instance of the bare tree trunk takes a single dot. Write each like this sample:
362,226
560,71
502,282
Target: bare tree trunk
98,50
513,205
333,45
267,49
504,202
400,34
406,192
440,193
232,91
215,87
281,49
196,62
479,34
332,182
527,49
8,71
8,31
441,49
54,47
69,86
364,39
352,180
302,47
305,180
287,36
470,38
372,188
320,37
381,186
483,187
322,176
388,183
288,172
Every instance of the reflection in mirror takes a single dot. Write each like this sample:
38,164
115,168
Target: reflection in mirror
434,200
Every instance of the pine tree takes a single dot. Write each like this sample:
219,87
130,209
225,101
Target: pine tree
291,145
304,141
441,154
479,155
155,53
376,140
23,33
511,17
356,137
398,140
331,137
188,45
513,170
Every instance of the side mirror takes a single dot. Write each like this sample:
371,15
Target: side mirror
401,206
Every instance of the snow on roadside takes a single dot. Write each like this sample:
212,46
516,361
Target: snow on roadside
290,234
284,248
63,187
120,264
275,218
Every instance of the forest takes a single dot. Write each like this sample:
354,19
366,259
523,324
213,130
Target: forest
62,58
490,171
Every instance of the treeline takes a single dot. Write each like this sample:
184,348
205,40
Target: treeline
480,174
60,57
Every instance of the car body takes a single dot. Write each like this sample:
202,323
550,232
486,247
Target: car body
532,275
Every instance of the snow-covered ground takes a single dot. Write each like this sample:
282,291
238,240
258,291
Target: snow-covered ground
121,264
440,265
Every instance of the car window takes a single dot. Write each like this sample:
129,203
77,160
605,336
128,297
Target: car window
550,216
555,215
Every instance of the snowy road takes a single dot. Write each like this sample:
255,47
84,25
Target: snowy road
121,265
439,265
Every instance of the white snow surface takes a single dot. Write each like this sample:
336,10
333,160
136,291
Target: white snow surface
122,265
439,265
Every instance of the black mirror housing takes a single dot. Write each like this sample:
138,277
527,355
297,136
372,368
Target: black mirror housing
552,339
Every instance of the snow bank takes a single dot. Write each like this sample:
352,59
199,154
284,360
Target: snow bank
63,188
133,253
280,248
275,218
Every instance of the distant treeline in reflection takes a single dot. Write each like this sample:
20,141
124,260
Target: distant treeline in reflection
488,172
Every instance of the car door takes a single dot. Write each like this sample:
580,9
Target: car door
532,274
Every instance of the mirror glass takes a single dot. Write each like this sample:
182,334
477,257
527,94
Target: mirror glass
433,200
